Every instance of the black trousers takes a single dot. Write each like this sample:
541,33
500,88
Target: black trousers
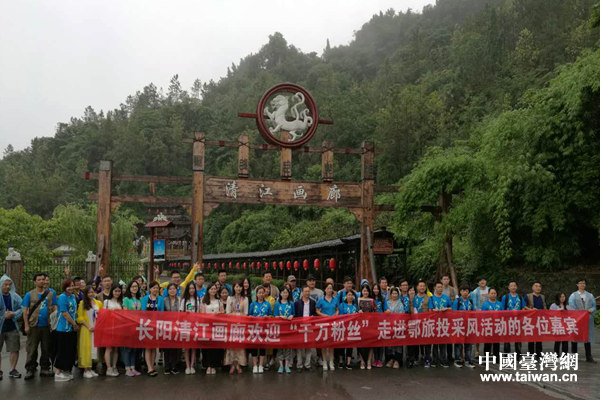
66,350
38,336
535,348
517,349
559,345
586,345
212,358
172,357
493,348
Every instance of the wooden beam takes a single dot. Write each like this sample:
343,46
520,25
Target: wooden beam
103,215
265,146
243,156
285,159
142,178
327,162
136,198
387,188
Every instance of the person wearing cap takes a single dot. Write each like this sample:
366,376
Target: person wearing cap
296,292
315,293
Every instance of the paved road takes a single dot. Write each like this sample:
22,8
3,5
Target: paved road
377,384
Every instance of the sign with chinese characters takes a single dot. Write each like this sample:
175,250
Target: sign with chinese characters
146,329
254,191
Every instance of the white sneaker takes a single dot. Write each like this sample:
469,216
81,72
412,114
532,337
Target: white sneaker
62,377
94,374
261,369
255,370
88,374
331,366
188,371
192,371
114,372
325,367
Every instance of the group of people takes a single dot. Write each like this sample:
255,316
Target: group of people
62,326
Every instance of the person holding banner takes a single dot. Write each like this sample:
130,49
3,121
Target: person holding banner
349,306
584,300
132,302
535,301
463,303
284,308
395,305
173,303
327,306
259,308
440,302
366,304
492,304
111,354
560,305
379,297
237,304
512,301
190,303
87,312
212,305
420,304
152,302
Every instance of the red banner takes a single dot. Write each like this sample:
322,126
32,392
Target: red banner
146,329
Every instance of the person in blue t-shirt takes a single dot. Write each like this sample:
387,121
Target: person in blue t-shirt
284,308
327,306
348,307
381,307
348,287
492,305
259,308
463,303
420,304
66,333
440,302
512,301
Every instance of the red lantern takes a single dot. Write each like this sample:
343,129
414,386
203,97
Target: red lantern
281,265
222,265
258,265
305,264
296,265
288,265
266,265
209,265
274,264
179,264
244,265
332,264
252,265
203,266
230,264
317,264
237,265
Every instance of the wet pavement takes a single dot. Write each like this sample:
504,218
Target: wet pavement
376,384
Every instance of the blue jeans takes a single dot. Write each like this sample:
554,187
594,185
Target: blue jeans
129,356
458,352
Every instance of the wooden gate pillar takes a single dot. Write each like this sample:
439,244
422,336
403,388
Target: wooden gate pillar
198,197
367,262
103,220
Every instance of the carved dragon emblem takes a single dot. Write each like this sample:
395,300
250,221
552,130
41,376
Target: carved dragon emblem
300,118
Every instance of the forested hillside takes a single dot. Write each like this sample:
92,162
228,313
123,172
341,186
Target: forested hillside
495,102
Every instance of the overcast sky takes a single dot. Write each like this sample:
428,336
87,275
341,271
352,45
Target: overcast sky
57,57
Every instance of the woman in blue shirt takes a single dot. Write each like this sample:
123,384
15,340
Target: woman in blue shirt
152,302
348,307
395,305
492,305
259,308
327,306
284,308
66,333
